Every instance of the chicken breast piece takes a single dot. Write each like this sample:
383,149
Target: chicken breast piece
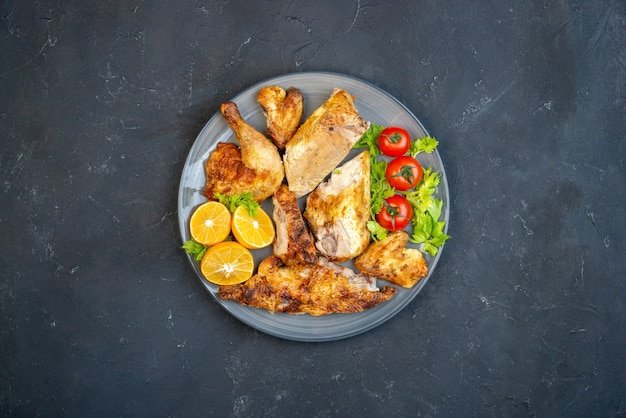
322,142
315,289
256,167
293,243
338,210
390,260
283,111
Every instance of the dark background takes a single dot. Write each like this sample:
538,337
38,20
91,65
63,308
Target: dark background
101,313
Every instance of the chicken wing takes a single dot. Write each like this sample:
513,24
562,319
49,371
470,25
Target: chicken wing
256,167
283,111
293,243
322,142
390,260
315,289
338,210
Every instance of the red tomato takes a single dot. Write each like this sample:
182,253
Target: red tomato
395,214
394,141
404,173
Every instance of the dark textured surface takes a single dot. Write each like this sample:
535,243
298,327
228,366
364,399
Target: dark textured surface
101,314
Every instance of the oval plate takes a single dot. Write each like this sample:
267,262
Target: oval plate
374,105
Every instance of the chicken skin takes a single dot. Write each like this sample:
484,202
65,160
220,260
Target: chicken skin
338,210
283,111
256,167
390,260
322,142
293,243
315,289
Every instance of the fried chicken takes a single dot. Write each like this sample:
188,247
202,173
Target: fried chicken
322,142
338,210
256,167
283,111
390,260
316,289
293,243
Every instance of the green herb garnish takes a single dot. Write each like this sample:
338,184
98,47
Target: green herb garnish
425,144
195,249
369,140
244,199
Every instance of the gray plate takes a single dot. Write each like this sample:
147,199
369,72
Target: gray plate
374,105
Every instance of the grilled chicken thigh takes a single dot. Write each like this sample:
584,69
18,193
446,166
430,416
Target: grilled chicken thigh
338,210
293,243
315,289
283,111
322,142
390,260
256,167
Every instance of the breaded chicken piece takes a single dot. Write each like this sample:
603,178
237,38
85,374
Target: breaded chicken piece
256,167
283,111
293,243
338,210
390,260
322,142
316,289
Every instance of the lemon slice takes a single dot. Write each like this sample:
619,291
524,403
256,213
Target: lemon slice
210,223
252,232
227,263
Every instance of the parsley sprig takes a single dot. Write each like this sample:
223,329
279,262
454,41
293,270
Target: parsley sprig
244,199
425,144
195,249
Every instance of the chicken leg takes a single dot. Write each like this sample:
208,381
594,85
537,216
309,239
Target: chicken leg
255,167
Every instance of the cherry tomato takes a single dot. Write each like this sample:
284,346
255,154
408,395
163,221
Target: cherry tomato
404,173
394,141
395,214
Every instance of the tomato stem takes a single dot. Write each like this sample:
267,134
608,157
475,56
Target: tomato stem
393,213
394,138
406,172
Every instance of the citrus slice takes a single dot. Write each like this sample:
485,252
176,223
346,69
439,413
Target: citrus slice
210,223
252,232
227,263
